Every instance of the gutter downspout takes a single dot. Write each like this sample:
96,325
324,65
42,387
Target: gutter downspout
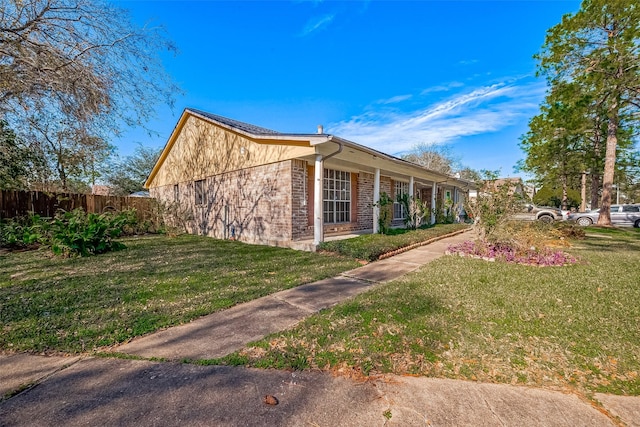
318,215
340,147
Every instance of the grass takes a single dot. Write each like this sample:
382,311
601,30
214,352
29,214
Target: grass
370,246
81,304
573,327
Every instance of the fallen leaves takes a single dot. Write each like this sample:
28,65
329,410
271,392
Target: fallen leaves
270,400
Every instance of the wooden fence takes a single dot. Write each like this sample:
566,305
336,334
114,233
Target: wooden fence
19,203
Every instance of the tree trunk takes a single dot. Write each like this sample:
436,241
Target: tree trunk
583,192
595,189
595,170
609,165
564,203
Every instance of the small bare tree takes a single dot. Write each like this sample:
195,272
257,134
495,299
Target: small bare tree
493,209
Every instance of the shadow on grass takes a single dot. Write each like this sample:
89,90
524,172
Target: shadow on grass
77,304
375,332
611,239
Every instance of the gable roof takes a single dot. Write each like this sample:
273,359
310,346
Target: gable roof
235,124
264,135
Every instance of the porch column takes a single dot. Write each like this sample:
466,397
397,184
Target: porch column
411,190
318,217
376,201
455,205
434,191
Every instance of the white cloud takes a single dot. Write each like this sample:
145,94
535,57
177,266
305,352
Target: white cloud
316,24
395,99
485,109
468,62
442,88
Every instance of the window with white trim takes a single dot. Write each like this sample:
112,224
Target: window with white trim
199,187
176,193
398,208
336,196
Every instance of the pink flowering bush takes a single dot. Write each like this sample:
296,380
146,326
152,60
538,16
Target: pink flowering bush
531,256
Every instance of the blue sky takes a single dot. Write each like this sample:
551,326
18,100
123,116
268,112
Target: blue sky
387,74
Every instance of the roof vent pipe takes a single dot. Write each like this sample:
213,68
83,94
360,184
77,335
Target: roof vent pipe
320,129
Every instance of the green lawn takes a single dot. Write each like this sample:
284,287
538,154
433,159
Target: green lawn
371,246
80,304
575,327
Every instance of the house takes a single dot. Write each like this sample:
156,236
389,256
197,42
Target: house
514,185
235,180
100,190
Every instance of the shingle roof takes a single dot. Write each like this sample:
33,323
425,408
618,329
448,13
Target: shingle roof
246,127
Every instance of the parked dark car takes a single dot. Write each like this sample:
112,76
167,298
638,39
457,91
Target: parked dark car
624,215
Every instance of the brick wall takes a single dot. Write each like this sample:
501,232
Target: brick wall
253,205
300,200
365,200
266,204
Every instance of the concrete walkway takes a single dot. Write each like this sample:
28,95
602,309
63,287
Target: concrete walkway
73,391
224,332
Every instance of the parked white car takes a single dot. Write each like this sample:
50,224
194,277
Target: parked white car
624,215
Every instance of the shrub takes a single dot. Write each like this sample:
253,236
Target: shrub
415,210
23,232
134,226
493,208
385,204
370,246
79,233
499,236
75,232
548,196
568,230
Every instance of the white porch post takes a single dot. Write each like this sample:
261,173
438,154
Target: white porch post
434,191
412,193
455,204
318,231
376,201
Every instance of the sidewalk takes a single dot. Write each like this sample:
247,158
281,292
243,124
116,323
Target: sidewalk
52,391
224,332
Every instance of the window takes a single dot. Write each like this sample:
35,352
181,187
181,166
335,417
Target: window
176,193
336,196
398,208
631,208
199,187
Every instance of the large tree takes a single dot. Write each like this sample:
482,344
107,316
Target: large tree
440,159
433,157
555,142
129,174
72,152
598,47
15,160
74,73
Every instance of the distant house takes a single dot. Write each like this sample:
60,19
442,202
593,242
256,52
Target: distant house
101,190
515,184
236,180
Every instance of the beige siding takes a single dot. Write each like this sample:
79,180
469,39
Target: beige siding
202,149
